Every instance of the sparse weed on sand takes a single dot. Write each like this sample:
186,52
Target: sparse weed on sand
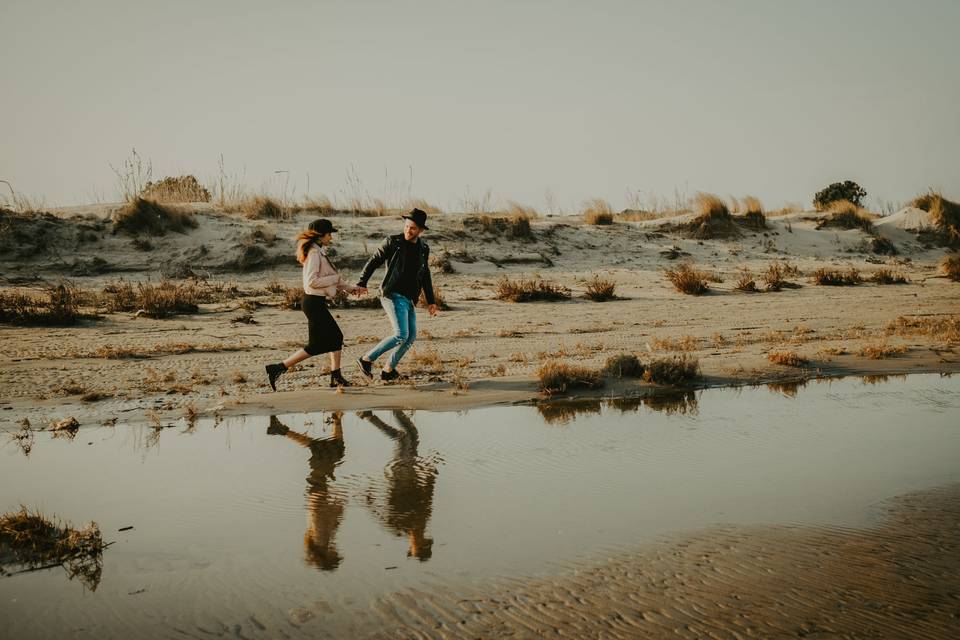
686,279
59,305
787,358
882,350
149,217
559,377
535,289
624,365
752,216
713,219
600,289
945,215
843,214
836,278
597,212
950,266
886,276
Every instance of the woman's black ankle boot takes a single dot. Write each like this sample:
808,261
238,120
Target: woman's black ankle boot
337,379
274,371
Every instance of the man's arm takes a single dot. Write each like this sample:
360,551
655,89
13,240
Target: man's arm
428,280
377,259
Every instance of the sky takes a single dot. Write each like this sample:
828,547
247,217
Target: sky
546,103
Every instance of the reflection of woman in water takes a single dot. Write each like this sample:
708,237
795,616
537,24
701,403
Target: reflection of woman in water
410,480
324,507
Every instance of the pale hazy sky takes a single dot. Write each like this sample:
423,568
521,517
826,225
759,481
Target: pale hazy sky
585,99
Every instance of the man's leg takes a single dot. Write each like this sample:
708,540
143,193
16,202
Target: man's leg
391,341
405,310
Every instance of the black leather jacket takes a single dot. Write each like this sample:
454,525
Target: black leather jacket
391,252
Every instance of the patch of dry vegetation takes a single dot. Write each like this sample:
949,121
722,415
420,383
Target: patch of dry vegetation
746,282
882,350
597,212
515,225
836,278
752,216
946,329
843,214
886,276
775,277
111,352
882,246
176,189
945,215
533,290
441,262
713,219
438,297
58,305
686,279
600,289
787,358
161,300
149,217
559,377
683,343
263,207
676,370
31,541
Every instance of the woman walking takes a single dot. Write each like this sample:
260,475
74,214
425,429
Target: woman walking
321,280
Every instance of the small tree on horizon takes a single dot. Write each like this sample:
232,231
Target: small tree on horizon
846,190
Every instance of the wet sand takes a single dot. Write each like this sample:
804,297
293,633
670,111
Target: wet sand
898,579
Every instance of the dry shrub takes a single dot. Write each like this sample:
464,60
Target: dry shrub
883,246
886,276
674,370
597,212
160,349
178,189
441,262
881,350
787,358
438,297
713,219
836,278
843,214
950,266
944,213
146,216
29,540
600,289
752,214
59,305
535,289
516,225
292,299
260,207
624,365
160,300
687,280
320,204
426,362
559,377
685,343
946,328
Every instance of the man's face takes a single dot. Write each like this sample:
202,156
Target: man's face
411,231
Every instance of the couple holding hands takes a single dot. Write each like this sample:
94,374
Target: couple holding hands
407,274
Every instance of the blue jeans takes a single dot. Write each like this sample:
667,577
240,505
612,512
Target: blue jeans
403,316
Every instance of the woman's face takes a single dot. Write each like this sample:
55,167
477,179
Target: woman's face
326,239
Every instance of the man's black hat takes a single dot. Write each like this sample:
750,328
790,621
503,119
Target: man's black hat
322,226
419,217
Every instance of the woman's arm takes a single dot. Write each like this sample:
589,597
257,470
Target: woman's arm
312,267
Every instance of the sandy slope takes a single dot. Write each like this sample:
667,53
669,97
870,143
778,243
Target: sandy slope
493,348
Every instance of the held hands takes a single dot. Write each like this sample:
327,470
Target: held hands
433,309
360,291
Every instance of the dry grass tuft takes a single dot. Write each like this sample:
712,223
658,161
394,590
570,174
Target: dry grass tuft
752,216
624,365
263,207
437,296
944,213
597,212
787,358
441,262
535,289
683,343
843,214
687,280
160,300
746,282
178,189
600,289
883,246
882,350
775,277
713,219
886,276
675,370
836,278
950,266
30,541
946,328
559,377
58,306
146,216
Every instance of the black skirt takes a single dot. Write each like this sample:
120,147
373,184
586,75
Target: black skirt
325,334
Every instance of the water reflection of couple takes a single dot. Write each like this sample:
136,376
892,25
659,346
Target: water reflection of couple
404,508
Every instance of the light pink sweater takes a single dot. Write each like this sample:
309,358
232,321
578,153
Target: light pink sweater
320,277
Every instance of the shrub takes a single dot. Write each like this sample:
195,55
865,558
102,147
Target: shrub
687,280
847,190
883,246
160,300
944,213
787,358
532,290
950,266
674,370
881,351
58,306
259,207
836,278
147,216
625,365
600,290
753,217
843,214
597,212
178,189
437,296
558,377
746,283
713,219
441,262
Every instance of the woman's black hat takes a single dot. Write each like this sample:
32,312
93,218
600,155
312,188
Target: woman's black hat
419,217
322,226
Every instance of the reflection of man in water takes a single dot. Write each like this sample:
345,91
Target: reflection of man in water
324,507
410,481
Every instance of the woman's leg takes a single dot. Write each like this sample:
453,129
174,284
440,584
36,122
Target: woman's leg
399,334
335,360
297,356
408,313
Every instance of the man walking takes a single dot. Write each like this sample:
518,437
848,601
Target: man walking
408,273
